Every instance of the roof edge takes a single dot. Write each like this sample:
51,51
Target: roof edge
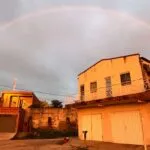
145,59
105,59
131,98
17,91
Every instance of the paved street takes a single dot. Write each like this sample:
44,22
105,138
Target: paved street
74,144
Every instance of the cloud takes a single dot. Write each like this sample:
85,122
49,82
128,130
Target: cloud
8,10
46,52
137,8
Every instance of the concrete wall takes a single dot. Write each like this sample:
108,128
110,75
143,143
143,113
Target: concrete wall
58,118
112,68
144,110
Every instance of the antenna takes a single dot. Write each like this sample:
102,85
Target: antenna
14,84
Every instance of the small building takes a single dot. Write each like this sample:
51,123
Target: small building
14,112
114,100
22,99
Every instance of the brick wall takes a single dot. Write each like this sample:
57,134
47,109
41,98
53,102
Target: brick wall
54,118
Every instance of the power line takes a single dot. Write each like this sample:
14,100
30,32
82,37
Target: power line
65,95
104,87
47,93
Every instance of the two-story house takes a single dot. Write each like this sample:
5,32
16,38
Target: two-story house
115,77
14,113
114,100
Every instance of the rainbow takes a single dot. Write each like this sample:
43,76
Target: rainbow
55,9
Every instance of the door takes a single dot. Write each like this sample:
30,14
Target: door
127,128
97,127
93,125
8,123
86,126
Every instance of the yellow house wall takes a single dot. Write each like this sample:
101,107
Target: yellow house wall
113,68
27,101
106,123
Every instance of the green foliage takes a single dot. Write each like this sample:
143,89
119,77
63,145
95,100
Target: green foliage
46,134
52,133
56,104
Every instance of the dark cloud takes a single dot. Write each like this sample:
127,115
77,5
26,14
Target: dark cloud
46,52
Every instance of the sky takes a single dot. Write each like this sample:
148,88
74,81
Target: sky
45,44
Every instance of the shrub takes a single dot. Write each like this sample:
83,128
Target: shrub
55,133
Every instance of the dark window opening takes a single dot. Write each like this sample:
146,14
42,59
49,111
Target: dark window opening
93,87
125,79
49,121
68,120
82,92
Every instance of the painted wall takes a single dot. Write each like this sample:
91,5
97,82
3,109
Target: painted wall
15,99
144,110
58,118
112,68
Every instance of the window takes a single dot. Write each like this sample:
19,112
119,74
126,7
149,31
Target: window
125,78
93,87
108,86
82,92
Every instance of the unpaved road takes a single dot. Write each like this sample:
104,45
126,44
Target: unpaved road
56,144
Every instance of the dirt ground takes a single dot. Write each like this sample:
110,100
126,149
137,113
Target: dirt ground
57,144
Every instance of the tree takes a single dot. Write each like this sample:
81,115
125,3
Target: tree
56,104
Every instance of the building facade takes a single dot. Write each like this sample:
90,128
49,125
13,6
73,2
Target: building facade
54,118
21,99
114,101
114,77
